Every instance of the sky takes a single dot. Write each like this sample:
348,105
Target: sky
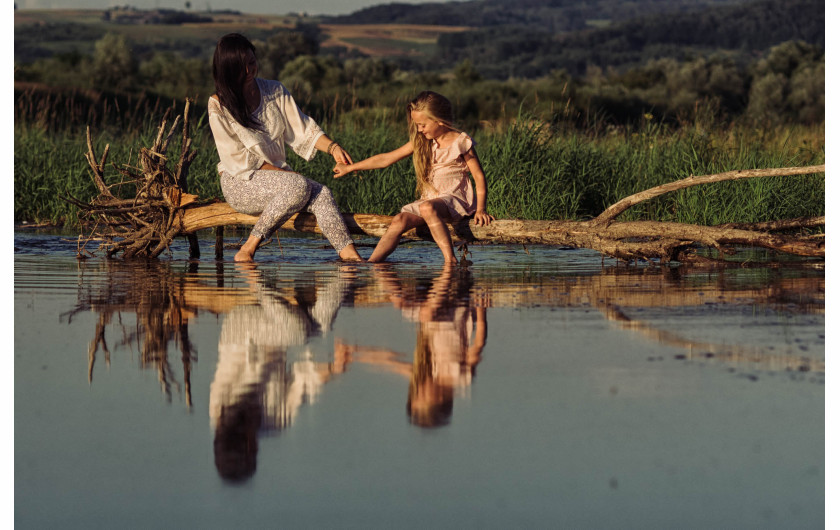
267,7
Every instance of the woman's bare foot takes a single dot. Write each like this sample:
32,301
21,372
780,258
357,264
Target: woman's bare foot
243,256
349,253
246,253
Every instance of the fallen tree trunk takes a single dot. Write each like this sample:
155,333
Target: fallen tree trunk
161,211
662,240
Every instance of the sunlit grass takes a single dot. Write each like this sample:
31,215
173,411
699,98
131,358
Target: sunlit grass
533,171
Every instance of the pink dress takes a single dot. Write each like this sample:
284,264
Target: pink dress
450,177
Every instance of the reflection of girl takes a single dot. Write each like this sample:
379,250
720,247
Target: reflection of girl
254,388
444,358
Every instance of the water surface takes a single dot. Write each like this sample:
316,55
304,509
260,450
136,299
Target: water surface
538,387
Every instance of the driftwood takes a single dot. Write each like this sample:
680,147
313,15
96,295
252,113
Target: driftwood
162,210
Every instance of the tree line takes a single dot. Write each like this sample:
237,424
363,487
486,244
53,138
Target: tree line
613,76
546,15
742,31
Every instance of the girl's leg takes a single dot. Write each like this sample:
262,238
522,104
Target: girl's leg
322,205
435,213
402,223
274,195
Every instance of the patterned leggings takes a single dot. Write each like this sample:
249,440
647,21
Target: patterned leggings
277,195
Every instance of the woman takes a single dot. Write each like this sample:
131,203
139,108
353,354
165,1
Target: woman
251,119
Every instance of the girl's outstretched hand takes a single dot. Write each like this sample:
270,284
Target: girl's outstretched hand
340,170
483,218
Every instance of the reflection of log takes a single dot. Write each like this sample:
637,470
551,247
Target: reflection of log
165,301
722,352
161,210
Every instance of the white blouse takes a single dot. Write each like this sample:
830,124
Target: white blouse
242,150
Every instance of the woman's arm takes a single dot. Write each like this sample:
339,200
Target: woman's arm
474,165
322,144
332,148
375,162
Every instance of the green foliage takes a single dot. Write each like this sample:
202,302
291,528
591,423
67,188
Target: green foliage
565,142
547,15
279,49
305,75
789,84
167,74
534,170
38,41
114,64
524,48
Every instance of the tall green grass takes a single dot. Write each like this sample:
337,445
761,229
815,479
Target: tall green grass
533,171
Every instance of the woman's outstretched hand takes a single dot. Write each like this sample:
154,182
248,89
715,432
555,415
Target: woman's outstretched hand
483,218
340,155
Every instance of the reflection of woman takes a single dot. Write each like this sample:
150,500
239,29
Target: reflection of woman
252,119
444,358
255,389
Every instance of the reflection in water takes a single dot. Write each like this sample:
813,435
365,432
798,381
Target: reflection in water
255,388
446,353
152,293
258,389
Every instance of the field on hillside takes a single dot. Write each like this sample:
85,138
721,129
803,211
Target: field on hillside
382,40
375,40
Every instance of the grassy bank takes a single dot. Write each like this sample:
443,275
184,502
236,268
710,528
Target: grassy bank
533,172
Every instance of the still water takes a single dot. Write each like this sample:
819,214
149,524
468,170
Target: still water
536,388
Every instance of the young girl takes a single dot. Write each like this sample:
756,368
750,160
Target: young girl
443,157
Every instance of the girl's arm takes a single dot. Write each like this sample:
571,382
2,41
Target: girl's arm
375,162
474,165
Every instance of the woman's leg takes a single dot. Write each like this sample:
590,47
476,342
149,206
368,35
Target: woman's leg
273,195
402,223
322,205
435,213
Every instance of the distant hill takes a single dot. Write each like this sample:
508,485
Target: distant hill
550,15
740,30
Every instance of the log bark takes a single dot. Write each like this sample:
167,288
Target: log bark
624,204
659,240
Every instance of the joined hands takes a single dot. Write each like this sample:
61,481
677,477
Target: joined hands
340,170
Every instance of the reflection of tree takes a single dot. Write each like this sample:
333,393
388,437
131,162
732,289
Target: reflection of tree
256,389
614,291
155,295
445,357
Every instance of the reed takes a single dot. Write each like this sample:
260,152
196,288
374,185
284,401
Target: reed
534,171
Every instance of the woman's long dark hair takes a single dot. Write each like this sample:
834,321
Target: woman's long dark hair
229,74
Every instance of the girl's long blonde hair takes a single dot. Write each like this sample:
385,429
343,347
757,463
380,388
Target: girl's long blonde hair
437,108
